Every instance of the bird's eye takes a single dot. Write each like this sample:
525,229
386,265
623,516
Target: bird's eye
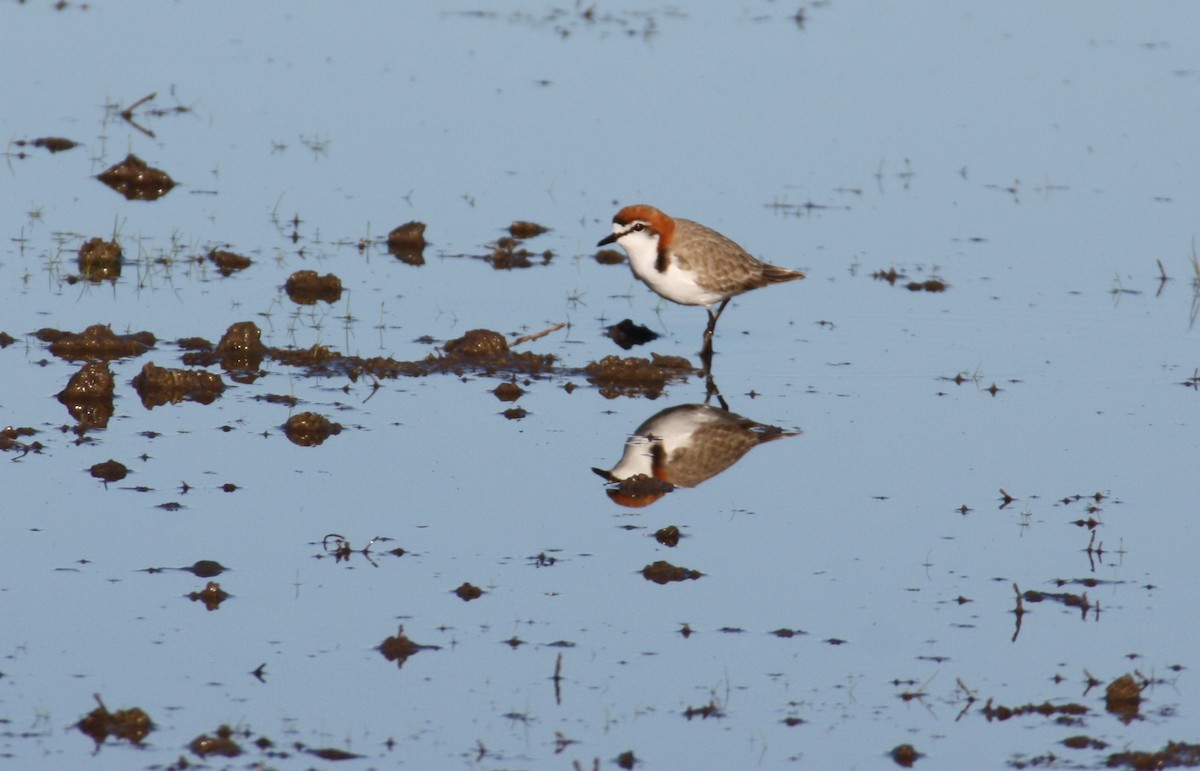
639,227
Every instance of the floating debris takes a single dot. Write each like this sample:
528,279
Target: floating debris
137,181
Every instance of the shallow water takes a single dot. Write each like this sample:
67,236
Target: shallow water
857,579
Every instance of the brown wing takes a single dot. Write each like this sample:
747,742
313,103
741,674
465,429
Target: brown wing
726,267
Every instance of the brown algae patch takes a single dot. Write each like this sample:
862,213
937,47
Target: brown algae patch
96,342
158,386
136,180
309,429
306,287
132,725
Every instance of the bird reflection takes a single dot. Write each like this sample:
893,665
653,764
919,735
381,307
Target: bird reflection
682,446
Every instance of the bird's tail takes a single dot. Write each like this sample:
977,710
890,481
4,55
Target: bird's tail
775,274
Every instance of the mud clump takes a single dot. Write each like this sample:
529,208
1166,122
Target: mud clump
158,386
305,287
478,343
88,396
668,536
10,439
53,144
664,573
100,260
109,471
468,592
6,339
221,744
627,334
1046,709
1123,697
521,230
508,392
507,253
96,342
930,285
212,595
240,350
308,429
229,263
635,376
610,257
904,755
132,725
136,180
398,648
407,243
1174,755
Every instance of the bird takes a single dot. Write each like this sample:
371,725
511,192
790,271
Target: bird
689,263
682,446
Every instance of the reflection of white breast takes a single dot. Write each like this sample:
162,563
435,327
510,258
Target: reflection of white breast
659,440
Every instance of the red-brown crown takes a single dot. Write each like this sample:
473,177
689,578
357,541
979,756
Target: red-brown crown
664,225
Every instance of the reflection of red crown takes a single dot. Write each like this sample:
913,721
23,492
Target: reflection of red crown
634,500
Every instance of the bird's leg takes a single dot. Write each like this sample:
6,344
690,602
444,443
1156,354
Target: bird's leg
706,353
711,390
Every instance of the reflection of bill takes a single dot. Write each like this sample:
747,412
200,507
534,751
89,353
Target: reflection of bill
681,447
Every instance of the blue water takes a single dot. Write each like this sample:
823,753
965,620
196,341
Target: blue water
1039,160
